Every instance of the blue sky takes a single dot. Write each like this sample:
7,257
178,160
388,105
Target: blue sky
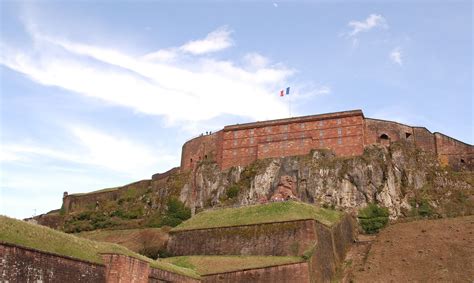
100,94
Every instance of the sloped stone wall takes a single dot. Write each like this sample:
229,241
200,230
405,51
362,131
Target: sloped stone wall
278,239
19,264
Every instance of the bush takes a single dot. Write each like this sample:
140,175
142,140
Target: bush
372,218
233,191
176,213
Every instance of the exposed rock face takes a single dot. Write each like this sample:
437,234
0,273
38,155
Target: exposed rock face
391,176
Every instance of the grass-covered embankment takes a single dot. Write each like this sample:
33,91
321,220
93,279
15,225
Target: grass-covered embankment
205,265
256,214
48,240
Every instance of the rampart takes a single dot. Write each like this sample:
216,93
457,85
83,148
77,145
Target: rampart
345,133
22,264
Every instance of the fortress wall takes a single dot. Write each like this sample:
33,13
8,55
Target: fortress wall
202,147
341,132
159,275
343,236
81,202
424,139
122,268
20,264
278,239
453,152
375,128
298,272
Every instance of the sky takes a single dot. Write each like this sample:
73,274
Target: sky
98,94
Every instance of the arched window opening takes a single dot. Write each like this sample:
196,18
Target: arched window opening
462,161
384,137
205,156
191,160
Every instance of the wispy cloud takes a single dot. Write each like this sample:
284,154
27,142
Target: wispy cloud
372,21
215,41
396,56
176,88
94,147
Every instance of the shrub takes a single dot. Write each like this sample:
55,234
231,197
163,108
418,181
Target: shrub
233,191
176,213
372,218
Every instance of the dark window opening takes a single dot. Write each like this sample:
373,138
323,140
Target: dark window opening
205,156
191,160
407,135
384,137
462,161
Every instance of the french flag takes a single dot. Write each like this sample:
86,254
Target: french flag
282,92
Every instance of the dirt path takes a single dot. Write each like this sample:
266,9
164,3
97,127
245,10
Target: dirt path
419,251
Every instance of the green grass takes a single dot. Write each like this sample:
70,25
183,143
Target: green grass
48,240
256,214
205,265
98,191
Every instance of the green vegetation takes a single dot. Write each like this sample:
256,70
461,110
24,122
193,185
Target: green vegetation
421,207
205,265
48,240
372,218
176,213
232,191
265,213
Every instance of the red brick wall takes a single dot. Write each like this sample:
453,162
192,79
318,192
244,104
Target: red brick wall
202,147
19,264
453,152
341,132
121,268
424,139
298,272
158,275
281,238
375,128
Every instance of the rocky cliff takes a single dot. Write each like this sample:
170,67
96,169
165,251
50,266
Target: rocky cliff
401,177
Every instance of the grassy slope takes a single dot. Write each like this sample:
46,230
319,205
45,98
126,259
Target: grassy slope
217,264
133,239
45,239
266,213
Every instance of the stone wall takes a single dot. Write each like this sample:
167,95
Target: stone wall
158,275
121,268
19,264
341,132
80,202
198,149
453,152
278,239
298,272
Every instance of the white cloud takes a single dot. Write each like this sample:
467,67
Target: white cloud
180,90
396,56
275,5
96,148
255,60
214,41
372,21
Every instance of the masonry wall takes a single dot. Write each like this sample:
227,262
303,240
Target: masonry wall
341,132
453,152
200,148
80,202
121,268
19,264
278,239
158,275
298,272
375,129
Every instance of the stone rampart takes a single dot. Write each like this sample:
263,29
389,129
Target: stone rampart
20,264
277,239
